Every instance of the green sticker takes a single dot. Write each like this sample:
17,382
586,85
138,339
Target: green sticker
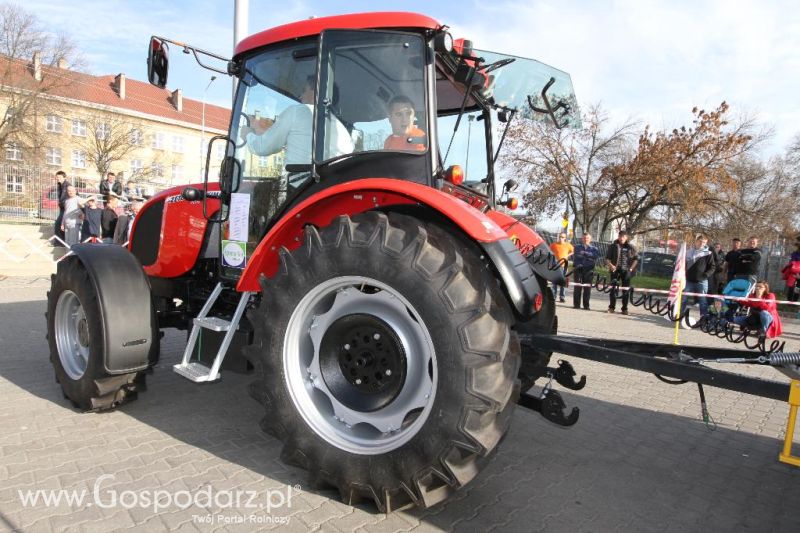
234,254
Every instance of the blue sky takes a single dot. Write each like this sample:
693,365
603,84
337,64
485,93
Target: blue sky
651,61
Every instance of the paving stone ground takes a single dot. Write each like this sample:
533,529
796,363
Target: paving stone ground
638,460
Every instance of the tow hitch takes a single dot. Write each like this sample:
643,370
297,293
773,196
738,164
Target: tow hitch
550,404
680,363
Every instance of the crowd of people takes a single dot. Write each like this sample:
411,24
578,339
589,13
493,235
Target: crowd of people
709,271
81,218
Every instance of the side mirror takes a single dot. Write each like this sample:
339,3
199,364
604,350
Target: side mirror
230,175
158,62
509,185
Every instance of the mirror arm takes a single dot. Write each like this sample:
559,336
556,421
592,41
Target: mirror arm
195,51
227,71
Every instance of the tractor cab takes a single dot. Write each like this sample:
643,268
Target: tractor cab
330,106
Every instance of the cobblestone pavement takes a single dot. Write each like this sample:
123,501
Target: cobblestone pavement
638,460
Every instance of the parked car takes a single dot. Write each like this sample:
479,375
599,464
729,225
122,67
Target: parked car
657,264
48,203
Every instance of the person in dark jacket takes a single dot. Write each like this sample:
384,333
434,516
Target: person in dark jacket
584,257
108,220
717,278
92,219
110,184
732,259
700,265
62,183
749,261
621,260
122,233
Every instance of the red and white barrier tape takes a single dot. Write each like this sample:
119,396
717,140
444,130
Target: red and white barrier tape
715,296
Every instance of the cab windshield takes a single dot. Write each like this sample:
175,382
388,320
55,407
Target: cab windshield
511,84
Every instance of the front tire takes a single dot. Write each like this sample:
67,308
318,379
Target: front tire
77,343
385,360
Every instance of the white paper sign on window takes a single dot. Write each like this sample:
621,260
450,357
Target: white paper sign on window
239,216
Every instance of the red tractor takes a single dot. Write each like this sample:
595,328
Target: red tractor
351,256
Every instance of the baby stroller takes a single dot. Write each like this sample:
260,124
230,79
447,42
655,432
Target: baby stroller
738,288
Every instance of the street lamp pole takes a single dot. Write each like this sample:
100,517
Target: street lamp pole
203,128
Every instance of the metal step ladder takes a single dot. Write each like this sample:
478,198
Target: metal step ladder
196,371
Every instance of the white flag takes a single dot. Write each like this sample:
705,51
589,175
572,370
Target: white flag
679,276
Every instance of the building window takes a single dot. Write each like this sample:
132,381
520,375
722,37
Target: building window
220,146
263,161
177,144
78,159
136,166
53,156
177,172
14,184
158,141
158,170
54,124
136,137
103,131
79,127
13,152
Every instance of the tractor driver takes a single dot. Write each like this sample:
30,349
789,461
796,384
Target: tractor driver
405,134
291,130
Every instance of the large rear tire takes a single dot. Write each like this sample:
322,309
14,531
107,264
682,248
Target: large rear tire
77,343
385,360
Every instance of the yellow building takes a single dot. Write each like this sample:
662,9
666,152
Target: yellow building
83,124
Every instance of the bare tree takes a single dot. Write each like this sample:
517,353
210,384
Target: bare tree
565,167
29,57
109,140
763,202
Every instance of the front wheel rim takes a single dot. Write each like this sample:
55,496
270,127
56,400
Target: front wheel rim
407,363
72,335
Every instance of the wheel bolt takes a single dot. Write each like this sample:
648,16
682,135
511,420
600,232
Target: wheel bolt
377,336
358,381
388,372
346,346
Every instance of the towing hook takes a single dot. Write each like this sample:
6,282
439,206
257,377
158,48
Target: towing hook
553,410
565,376
551,406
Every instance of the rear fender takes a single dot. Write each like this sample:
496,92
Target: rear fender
532,246
123,295
358,196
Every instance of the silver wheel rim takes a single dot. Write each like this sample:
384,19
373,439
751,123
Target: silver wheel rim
355,431
72,335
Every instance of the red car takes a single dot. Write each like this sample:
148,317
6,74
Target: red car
48,203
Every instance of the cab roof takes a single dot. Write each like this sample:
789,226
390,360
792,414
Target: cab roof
356,21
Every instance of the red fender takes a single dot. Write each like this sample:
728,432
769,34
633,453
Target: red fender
357,197
523,236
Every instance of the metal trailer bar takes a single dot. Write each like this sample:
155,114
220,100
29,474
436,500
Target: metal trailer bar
666,360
